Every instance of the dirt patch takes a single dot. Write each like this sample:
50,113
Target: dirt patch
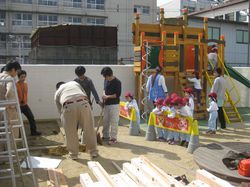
171,158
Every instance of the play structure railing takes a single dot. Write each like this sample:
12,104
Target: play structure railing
233,88
229,92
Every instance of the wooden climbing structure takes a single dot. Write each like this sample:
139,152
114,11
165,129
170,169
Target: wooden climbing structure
180,50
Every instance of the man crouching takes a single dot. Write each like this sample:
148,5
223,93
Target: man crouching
73,106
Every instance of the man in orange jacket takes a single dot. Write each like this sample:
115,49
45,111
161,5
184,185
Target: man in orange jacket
22,90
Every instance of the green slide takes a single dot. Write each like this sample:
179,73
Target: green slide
237,76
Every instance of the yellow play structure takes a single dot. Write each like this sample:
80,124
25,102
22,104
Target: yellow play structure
179,50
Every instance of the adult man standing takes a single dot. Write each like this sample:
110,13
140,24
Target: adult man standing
73,105
22,90
7,92
219,87
86,84
111,100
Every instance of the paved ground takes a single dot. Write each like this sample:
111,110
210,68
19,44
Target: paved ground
171,158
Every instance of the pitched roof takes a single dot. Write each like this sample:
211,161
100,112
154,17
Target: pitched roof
223,5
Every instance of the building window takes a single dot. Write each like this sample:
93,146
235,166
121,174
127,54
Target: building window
23,19
73,3
2,19
241,15
96,21
48,2
229,16
22,1
44,20
219,17
189,8
2,41
214,33
73,20
22,40
242,36
95,4
141,9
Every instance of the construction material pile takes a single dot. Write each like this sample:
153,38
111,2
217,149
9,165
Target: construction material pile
141,172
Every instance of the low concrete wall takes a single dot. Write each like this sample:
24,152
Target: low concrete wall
42,79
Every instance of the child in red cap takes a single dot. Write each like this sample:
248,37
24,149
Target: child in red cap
158,110
213,114
184,110
131,103
197,86
189,94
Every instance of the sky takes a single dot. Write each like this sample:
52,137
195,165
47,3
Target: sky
160,2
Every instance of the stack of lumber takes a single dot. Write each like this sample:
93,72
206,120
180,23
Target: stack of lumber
141,172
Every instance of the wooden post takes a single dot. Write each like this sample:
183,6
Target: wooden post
176,73
222,48
184,17
137,33
205,28
161,15
200,57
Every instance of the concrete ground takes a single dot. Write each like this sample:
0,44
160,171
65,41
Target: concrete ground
173,159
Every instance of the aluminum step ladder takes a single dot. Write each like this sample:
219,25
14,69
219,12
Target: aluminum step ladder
16,149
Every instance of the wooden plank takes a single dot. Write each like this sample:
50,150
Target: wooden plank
149,173
138,64
122,180
149,28
56,178
198,183
211,179
85,180
136,175
137,48
100,173
161,173
193,31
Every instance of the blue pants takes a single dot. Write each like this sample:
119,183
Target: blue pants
160,132
212,120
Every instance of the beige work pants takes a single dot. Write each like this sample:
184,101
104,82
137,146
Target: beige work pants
79,113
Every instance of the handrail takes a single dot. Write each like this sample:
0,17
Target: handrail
232,82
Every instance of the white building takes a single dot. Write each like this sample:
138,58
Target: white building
173,7
235,34
19,17
233,10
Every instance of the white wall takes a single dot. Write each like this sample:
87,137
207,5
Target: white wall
42,80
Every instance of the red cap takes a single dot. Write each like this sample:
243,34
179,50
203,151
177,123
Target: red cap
213,95
173,95
159,101
188,90
167,101
128,94
177,100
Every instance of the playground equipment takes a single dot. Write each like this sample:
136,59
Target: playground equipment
179,50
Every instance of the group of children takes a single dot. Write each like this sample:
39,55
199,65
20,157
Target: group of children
173,105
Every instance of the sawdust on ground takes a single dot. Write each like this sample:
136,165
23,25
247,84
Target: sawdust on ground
171,158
